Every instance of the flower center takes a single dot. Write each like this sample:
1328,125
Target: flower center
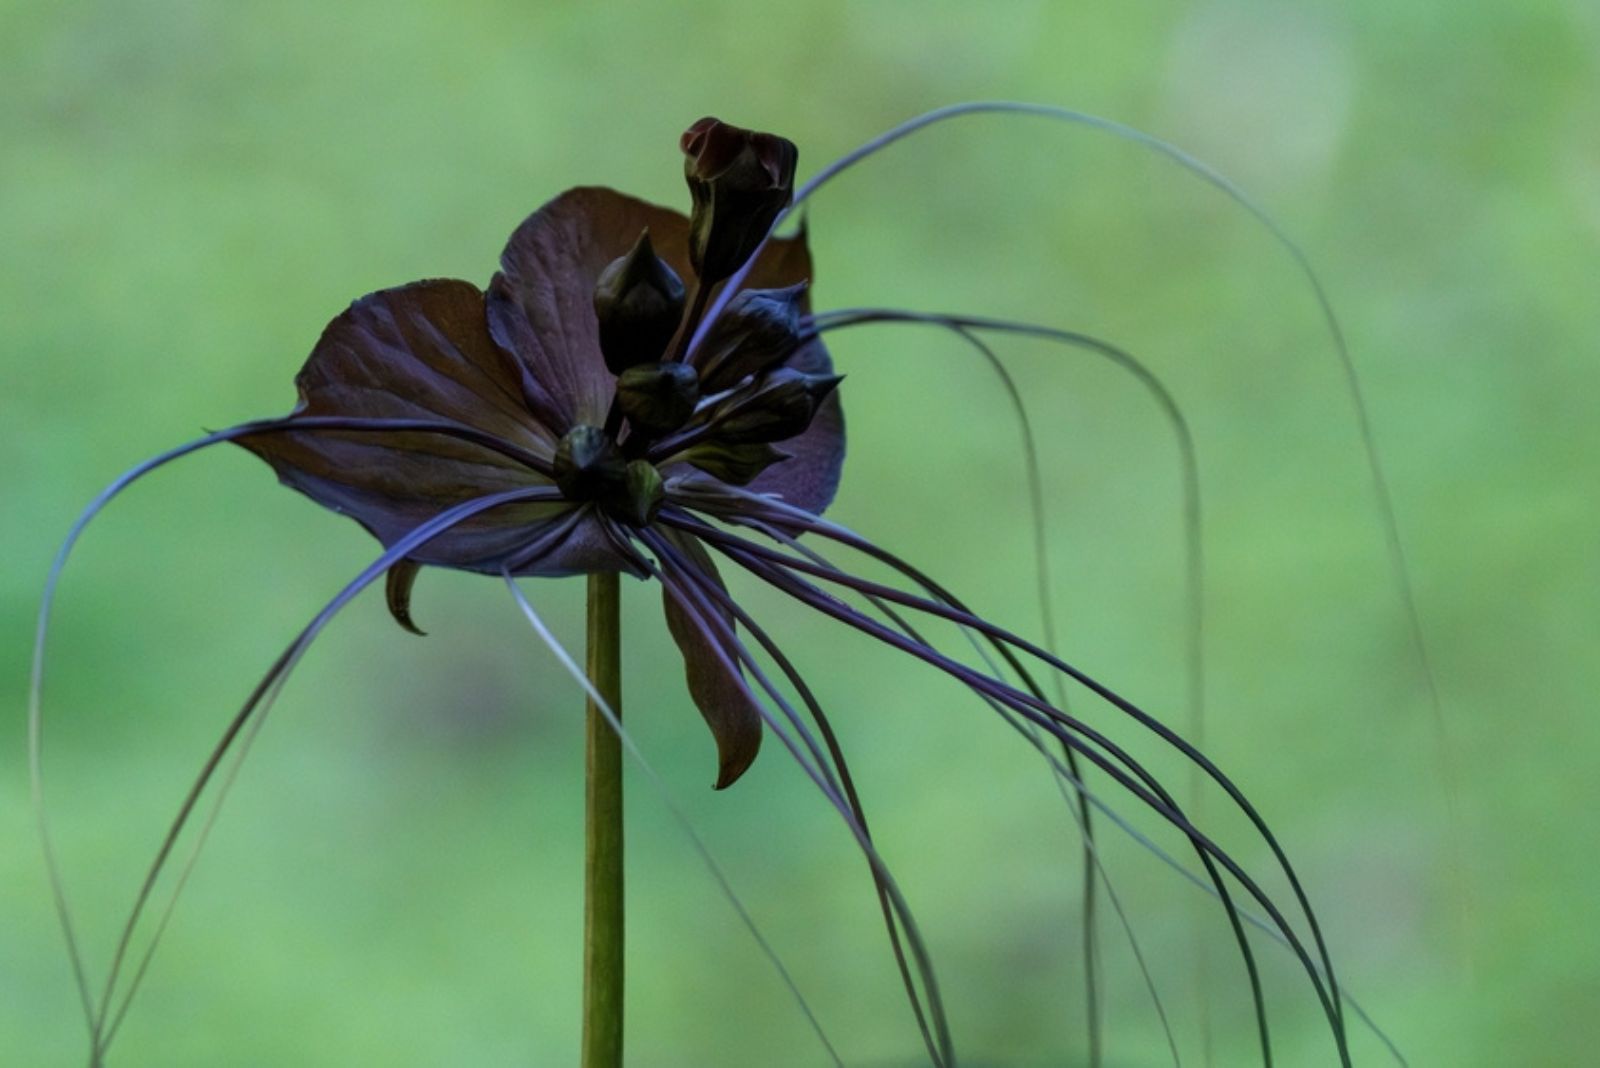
590,467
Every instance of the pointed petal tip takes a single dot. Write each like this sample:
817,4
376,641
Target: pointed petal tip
716,684
735,764
397,591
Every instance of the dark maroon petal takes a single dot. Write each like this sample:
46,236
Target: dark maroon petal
541,304
390,483
727,705
420,351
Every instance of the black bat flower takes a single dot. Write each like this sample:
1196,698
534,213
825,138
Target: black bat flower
559,380
640,392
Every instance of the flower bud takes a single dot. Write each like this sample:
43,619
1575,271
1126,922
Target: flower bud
638,497
758,330
639,302
658,398
587,463
740,180
776,407
737,465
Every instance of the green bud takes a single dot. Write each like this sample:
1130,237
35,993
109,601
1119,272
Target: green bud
775,407
639,496
758,330
587,463
740,180
734,464
639,302
658,398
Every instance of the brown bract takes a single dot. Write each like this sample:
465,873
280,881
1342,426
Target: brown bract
520,364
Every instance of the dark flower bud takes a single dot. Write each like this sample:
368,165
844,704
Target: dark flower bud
776,407
587,463
758,330
639,302
734,464
638,497
658,398
740,180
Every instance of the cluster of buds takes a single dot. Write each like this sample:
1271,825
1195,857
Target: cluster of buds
724,410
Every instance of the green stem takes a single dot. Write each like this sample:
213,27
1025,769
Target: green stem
602,862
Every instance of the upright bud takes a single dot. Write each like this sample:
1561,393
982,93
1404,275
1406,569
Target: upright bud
639,302
776,407
658,398
759,329
740,180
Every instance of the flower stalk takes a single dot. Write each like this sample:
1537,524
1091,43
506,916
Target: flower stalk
603,913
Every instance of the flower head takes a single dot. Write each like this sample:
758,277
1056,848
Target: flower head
561,370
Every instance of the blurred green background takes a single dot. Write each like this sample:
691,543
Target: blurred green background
189,191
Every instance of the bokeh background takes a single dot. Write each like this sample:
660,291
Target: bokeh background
189,191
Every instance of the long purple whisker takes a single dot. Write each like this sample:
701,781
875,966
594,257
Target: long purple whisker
1116,129
122,482
965,327
1251,918
275,680
801,520
1383,498
665,794
413,540
1171,412
1066,773
1201,884
1208,174
835,751
58,566
1040,713
1078,799
695,605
